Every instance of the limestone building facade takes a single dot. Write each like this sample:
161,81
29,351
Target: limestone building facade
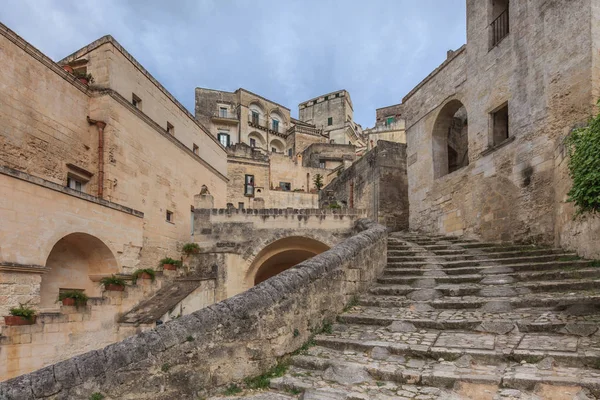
485,131
389,126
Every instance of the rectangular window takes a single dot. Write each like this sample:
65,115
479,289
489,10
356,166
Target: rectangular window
255,117
290,152
329,121
273,150
224,139
169,216
276,125
241,205
222,112
170,129
285,186
252,143
249,185
136,101
196,149
499,28
76,183
191,220
389,121
321,164
500,125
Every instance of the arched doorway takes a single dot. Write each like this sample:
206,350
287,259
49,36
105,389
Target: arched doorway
72,261
450,139
283,254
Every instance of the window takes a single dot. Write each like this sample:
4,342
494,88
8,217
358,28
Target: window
500,125
136,101
76,183
252,142
255,117
170,129
285,186
223,112
329,121
169,216
241,205
273,150
389,121
326,97
276,125
337,95
249,185
290,152
191,220
321,164
196,149
499,27
224,139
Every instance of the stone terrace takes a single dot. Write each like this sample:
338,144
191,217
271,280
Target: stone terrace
453,319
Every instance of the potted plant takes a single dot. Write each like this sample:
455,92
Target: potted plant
191,248
147,273
21,315
68,68
169,264
84,78
73,298
113,283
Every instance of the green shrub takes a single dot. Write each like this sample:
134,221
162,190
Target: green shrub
263,381
138,272
335,206
318,181
584,166
191,248
78,295
112,280
97,396
169,260
232,390
22,311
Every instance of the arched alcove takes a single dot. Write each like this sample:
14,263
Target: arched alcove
450,139
281,255
276,146
72,261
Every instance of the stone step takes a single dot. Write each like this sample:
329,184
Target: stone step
420,261
580,300
485,268
524,319
428,289
517,276
327,368
406,340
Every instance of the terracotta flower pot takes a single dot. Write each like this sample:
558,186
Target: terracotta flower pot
68,68
68,302
145,275
12,320
114,287
170,267
83,80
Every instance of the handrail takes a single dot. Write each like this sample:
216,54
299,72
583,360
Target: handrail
500,28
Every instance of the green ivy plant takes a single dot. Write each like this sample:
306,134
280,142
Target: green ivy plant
191,248
138,272
22,311
584,166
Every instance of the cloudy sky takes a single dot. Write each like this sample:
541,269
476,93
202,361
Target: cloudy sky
286,50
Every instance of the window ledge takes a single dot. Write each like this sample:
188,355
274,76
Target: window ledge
492,149
170,222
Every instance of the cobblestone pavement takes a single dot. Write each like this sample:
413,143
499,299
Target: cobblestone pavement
458,319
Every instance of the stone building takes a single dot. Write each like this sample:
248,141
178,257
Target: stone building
96,179
389,126
485,130
272,157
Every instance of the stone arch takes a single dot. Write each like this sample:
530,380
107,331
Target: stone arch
277,144
276,112
76,261
256,105
280,255
450,139
259,138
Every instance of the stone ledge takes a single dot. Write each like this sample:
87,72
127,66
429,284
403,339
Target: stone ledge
236,338
24,176
280,211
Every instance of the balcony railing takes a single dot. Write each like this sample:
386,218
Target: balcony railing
305,129
500,28
228,116
262,123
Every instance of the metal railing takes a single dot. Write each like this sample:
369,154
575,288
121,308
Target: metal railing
500,28
227,115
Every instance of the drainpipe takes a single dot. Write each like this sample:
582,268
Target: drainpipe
100,125
351,200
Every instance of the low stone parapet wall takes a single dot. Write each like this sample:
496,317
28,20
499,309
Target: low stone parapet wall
236,338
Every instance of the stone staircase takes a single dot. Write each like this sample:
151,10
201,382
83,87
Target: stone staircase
456,319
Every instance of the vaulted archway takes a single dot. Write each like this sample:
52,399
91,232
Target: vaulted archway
73,262
450,139
281,255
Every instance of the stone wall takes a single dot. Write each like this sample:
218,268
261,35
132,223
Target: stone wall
332,154
512,190
335,105
378,183
236,338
